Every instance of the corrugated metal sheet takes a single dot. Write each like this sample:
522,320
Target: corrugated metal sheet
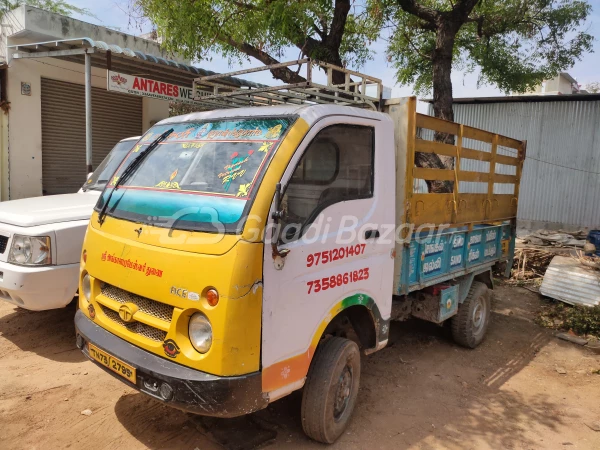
561,176
568,281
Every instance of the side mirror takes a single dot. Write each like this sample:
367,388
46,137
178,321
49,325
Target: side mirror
278,213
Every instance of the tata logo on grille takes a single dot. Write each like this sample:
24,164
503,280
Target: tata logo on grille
127,311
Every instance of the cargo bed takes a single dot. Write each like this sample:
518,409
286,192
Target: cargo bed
451,234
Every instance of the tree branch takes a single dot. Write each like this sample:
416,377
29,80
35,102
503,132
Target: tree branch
422,12
479,21
243,5
462,9
338,24
414,47
283,73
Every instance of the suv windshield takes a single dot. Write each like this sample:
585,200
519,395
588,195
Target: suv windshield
108,166
202,177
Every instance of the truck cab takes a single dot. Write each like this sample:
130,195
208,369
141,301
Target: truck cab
251,252
41,237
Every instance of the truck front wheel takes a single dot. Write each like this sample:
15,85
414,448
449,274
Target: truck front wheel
331,389
471,322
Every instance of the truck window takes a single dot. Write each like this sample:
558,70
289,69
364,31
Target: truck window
337,166
321,166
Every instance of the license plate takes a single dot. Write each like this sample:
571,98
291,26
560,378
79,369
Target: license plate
114,364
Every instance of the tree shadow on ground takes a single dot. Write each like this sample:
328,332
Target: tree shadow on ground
50,334
419,391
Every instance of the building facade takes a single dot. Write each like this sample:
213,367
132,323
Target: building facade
42,125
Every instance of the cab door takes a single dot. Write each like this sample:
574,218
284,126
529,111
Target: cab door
337,228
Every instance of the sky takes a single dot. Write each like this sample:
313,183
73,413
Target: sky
113,14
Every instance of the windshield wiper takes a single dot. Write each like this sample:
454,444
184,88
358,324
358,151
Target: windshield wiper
130,170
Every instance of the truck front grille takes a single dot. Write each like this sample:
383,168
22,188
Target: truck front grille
135,327
3,242
153,308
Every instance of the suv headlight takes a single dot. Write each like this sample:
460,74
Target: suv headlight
30,250
200,331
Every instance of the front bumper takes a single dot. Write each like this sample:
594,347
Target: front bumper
38,288
191,390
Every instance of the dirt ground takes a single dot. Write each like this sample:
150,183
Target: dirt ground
421,392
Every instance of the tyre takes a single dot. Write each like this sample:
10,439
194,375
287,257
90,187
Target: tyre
470,324
331,389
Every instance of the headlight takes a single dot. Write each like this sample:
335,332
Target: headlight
86,287
30,250
200,332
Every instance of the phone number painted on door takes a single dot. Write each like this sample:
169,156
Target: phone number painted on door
340,279
334,255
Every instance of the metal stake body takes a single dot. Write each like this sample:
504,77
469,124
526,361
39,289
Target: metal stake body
88,112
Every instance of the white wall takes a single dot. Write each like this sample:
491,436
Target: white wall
25,118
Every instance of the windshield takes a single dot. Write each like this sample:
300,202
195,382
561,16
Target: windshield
108,166
202,177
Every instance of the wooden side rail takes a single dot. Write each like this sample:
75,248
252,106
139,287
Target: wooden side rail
457,208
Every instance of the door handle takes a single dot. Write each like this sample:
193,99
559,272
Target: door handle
371,234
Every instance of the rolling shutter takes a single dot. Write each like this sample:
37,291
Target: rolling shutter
114,117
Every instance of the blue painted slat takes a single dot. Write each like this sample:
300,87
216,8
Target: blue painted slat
428,260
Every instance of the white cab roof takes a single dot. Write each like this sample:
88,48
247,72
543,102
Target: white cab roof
310,113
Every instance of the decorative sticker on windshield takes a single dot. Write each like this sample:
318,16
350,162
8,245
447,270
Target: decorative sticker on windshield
275,132
266,146
243,190
235,169
193,144
170,184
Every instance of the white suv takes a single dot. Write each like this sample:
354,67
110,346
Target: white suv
41,239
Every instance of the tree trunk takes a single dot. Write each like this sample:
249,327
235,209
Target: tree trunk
333,40
442,69
442,104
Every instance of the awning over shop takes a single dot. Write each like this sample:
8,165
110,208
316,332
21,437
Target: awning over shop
117,59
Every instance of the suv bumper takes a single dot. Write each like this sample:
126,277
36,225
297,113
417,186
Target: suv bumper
38,288
191,390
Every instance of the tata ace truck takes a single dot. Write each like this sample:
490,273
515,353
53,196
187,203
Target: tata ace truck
250,252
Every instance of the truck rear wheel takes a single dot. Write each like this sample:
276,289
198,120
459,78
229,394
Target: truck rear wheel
470,325
331,389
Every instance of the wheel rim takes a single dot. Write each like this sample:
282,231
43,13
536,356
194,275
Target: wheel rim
342,395
478,317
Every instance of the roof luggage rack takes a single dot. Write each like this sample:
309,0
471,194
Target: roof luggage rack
213,91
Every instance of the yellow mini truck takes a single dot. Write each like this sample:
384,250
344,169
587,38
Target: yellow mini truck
247,253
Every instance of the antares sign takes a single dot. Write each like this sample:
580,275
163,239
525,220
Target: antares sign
131,84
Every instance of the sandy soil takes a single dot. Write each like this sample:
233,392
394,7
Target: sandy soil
421,392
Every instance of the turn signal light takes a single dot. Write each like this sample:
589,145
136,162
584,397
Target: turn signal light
212,297
84,255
